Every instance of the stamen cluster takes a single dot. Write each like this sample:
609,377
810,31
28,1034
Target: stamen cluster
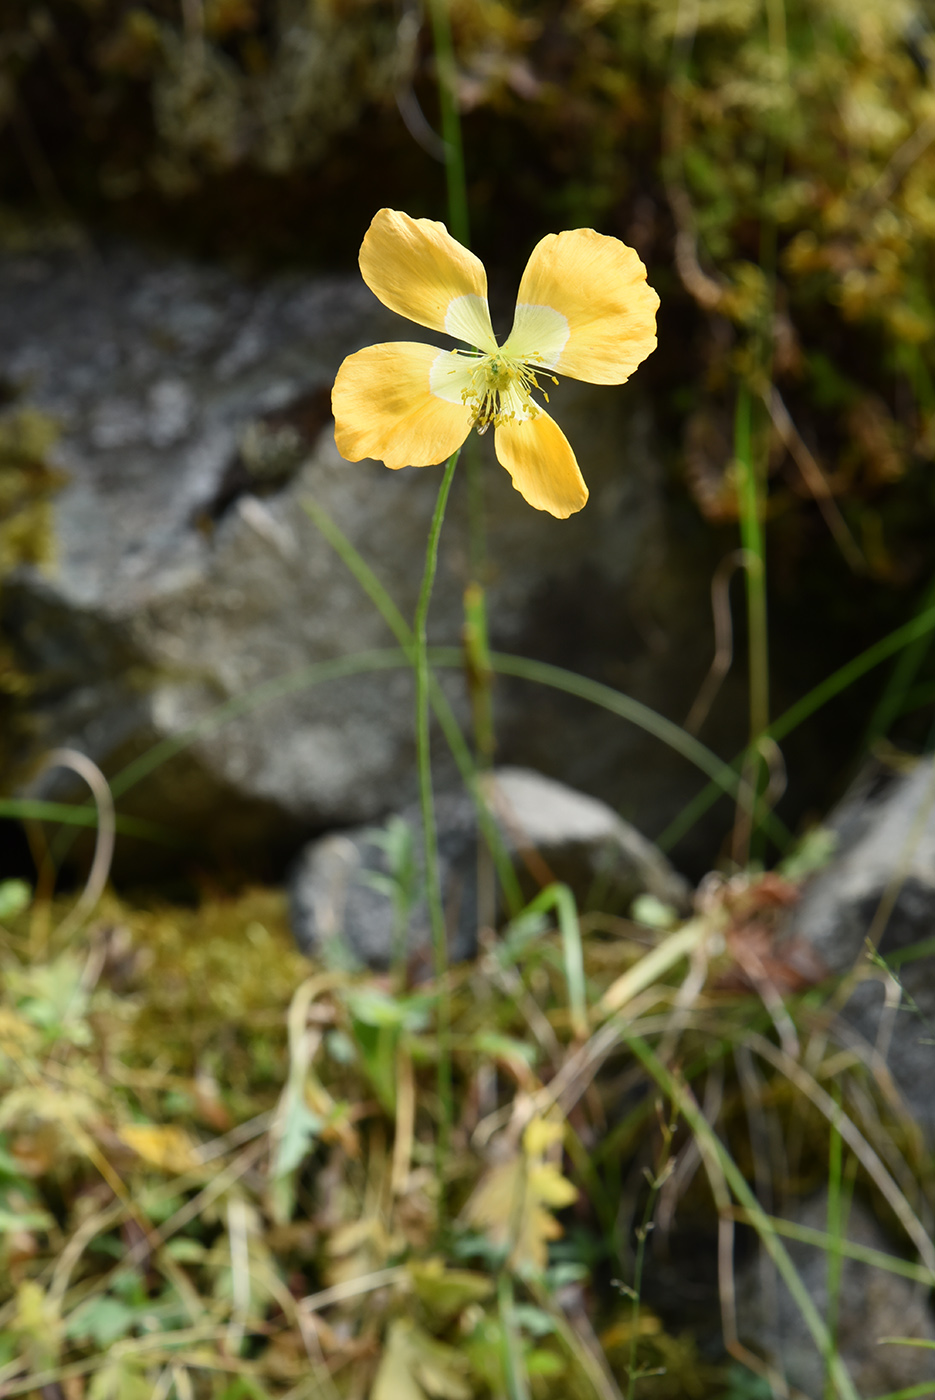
500,391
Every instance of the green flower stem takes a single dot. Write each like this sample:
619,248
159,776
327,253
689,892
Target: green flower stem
479,678
451,121
433,894
461,753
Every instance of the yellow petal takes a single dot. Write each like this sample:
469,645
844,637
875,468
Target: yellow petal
416,268
539,458
597,286
384,407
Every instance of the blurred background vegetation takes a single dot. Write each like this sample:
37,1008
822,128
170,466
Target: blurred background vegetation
774,165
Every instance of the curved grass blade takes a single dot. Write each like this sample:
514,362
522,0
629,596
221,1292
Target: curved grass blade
803,709
708,1139
34,809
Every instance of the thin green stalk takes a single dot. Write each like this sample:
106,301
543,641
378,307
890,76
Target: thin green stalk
401,630
511,1346
863,1254
479,672
433,894
524,668
642,1235
560,898
851,671
458,223
451,120
836,1220
711,1146
34,809
892,701
724,777
802,710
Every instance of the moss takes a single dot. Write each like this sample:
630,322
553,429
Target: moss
27,484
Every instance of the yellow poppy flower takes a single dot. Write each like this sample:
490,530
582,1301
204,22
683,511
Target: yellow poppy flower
584,309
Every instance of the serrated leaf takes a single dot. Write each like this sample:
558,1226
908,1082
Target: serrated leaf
513,1201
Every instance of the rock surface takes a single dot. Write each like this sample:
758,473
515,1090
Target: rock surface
880,884
341,893
872,1304
193,408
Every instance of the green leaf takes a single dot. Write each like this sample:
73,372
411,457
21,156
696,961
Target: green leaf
544,1363
533,1320
446,1292
302,1127
504,1047
377,1008
101,1321
377,1045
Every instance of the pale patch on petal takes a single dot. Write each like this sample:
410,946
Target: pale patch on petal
385,408
468,319
416,268
539,335
539,458
452,376
599,285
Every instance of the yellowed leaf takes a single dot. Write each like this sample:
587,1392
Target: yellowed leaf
540,1135
36,1325
551,1188
166,1147
358,1248
512,1200
414,1365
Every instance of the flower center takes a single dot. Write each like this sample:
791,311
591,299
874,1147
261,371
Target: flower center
500,391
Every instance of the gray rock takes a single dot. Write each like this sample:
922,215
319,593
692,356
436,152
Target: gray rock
342,896
872,1304
881,883
193,408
